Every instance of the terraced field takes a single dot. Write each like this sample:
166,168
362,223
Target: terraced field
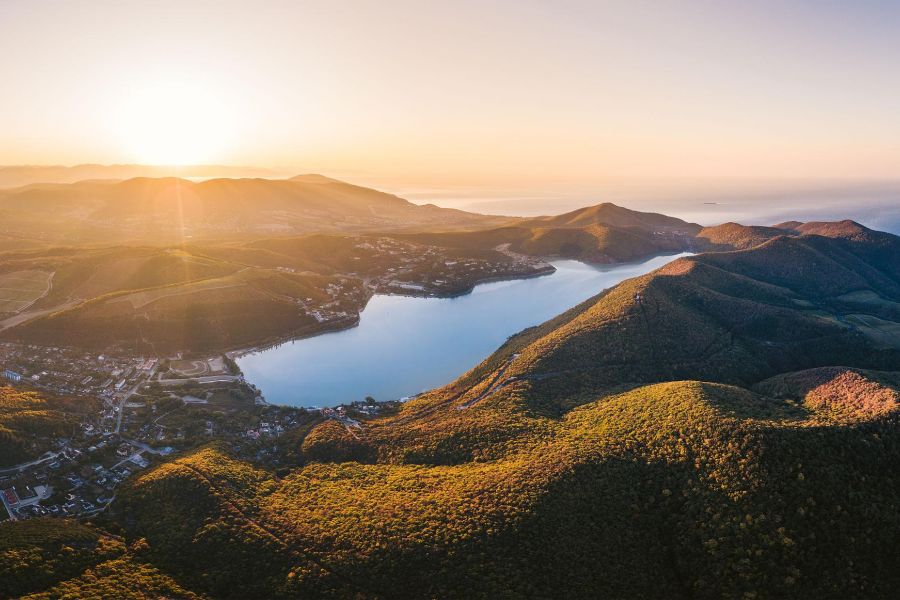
21,289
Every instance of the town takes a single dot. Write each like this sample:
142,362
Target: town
134,413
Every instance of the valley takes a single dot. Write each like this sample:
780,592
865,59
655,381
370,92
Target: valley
694,374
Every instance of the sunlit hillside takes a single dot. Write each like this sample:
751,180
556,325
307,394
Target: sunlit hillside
727,454
170,210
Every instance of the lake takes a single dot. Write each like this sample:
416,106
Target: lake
405,345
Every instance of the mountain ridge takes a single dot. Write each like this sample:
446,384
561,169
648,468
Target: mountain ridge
21,175
170,209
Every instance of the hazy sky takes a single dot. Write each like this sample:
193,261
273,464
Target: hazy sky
463,91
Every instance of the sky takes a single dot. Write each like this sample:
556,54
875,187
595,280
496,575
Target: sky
474,93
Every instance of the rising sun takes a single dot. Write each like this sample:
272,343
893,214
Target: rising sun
175,124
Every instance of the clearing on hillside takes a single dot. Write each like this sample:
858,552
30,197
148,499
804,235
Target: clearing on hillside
21,289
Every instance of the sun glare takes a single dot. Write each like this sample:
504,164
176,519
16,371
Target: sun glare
175,124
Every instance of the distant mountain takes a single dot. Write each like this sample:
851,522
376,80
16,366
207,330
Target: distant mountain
615,216
20,175
231,281
789,225
838,229
172,209
734,236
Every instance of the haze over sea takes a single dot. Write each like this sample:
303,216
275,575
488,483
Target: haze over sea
707,202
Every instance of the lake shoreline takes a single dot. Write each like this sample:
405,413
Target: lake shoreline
407,346
351,322
340,325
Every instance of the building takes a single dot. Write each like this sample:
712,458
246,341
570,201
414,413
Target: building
139,460
12,375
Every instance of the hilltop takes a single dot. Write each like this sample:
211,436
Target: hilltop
612,215
603,234
734,236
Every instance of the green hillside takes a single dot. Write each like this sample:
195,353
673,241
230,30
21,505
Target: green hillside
735,317
716,490
724,427
247,307
30,420
56,558
557,462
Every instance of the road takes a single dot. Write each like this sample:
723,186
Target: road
130,393
48,456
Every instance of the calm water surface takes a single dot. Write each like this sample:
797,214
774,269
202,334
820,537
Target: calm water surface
405,345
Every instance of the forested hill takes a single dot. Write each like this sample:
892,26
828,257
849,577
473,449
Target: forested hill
603,233
737,317
725,427
612,215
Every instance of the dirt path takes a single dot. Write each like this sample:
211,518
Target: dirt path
493,385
